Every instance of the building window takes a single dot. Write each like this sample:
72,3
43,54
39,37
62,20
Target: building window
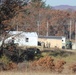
62,40
27,39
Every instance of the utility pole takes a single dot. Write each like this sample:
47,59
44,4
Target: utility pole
70,29
38,26
75,33
38,22
17,27
47,28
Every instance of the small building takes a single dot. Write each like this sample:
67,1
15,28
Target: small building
74,46
23,38
52,41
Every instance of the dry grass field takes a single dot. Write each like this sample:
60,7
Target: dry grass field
69,57
32,73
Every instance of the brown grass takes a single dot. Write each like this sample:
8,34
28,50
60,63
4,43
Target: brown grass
47,64
31,73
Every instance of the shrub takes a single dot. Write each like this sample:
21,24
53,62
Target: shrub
73,68
43,63
4,59
59,66
47,63
60,53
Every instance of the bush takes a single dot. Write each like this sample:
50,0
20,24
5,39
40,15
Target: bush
4,59
32,53
44,63
60,53
47,64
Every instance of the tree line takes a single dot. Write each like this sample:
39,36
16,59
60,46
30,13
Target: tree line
33,15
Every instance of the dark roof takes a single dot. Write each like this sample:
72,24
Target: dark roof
51,37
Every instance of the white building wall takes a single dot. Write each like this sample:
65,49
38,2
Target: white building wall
63,41
21,39
74,46
32,41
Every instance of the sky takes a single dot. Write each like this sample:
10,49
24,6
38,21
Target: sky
60,2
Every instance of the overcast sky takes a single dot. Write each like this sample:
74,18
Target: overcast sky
60,2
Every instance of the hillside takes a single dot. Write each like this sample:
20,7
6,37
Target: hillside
64,7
